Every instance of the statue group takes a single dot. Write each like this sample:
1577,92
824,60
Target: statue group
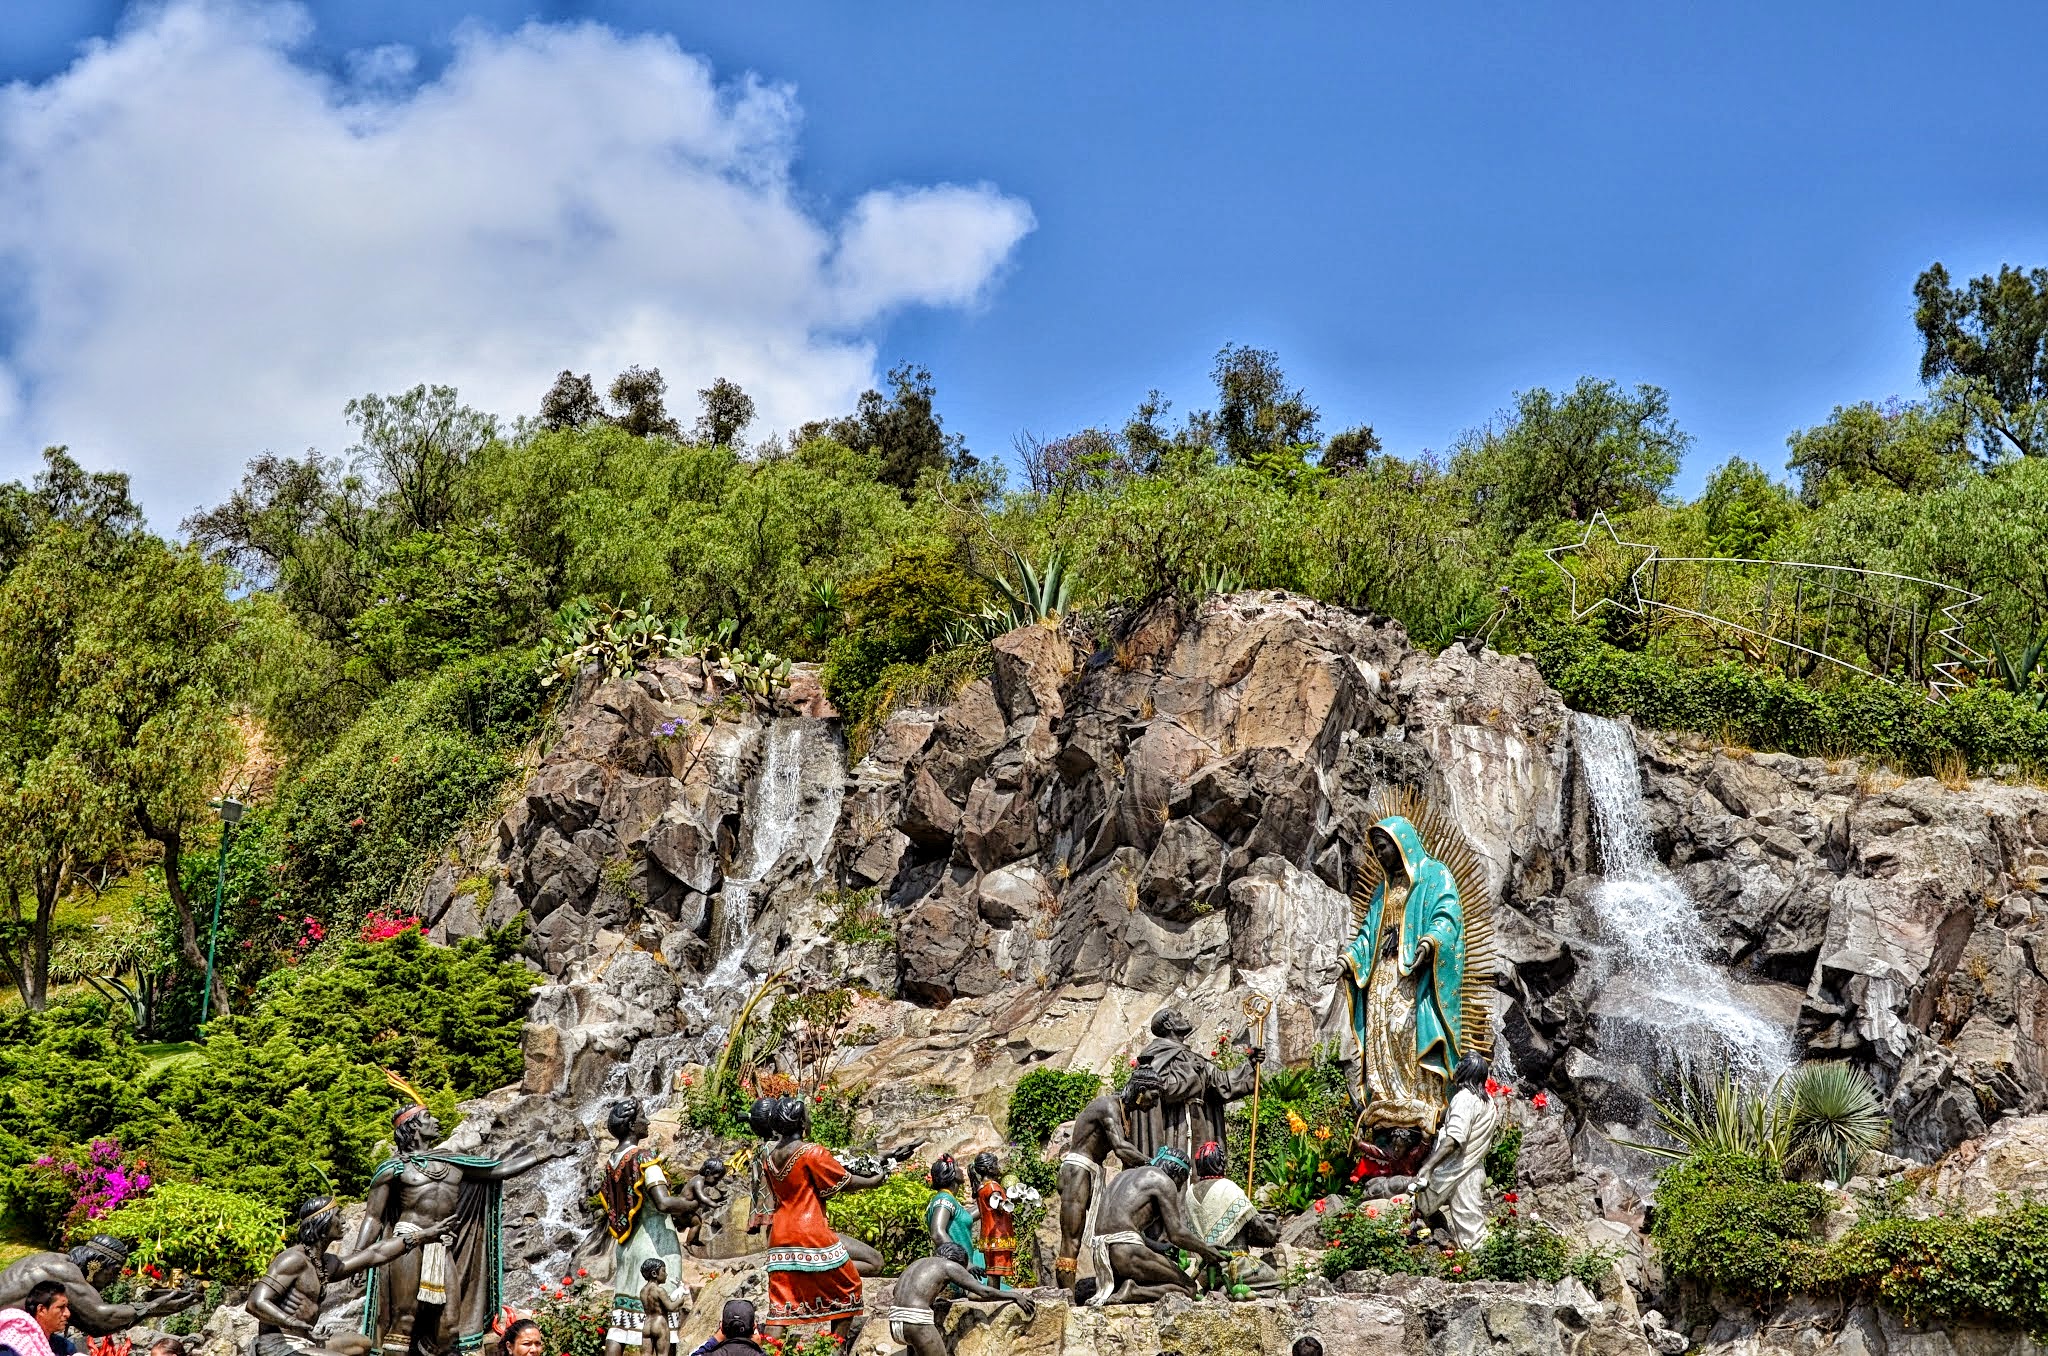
1145,1184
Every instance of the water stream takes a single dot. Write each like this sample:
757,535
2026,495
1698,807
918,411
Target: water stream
1682,1010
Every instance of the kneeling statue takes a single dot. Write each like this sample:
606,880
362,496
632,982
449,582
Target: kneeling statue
923,1293
1142,1218
1450,1186
1226,1218
288,1298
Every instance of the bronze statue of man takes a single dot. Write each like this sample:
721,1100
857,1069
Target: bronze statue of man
1193,1090
82,1271
1143,1217
1102,1130
287,1300
442,1297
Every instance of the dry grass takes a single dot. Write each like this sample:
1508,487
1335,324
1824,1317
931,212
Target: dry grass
1146,710
1952,770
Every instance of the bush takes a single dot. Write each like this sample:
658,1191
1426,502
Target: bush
217,1235
1724,1219
1981,725
423,759
889,1219
1502,1157
1375,1238
1522,1250
896,623
1044,1099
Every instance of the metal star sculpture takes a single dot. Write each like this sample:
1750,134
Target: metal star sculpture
1642,552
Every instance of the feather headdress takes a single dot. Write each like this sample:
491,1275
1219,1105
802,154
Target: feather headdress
419,1102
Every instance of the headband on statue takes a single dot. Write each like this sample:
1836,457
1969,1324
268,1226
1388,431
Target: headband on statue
419,1103
1170,1156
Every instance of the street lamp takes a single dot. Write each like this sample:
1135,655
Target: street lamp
230,811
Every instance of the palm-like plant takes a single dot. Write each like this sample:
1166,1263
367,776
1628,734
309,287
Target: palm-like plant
1836,1118
1825,1116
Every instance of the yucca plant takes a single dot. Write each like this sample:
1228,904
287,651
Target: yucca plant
1836,1119
1824,1117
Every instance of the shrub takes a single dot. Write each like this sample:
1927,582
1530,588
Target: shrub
889,1219
574,1314
219,1235
424,758
1725,1218
1374,1237
1522,1250
1046,1098
1983,725
1502,1157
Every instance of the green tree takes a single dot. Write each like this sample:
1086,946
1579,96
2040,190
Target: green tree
1595,449
727,412
902,428
1350,451
1913,447
415,447
570,403
1258,420
1987,343
636,396
1741,508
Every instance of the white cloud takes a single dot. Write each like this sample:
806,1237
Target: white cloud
207,246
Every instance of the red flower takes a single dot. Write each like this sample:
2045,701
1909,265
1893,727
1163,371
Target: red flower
1321,1206
581,1272
356,823
1510,1197
1540,1100
566,1280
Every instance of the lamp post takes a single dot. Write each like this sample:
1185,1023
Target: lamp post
230,815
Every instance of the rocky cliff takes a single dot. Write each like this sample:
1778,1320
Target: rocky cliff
1084,836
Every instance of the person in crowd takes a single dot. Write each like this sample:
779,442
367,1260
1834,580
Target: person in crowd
37,1327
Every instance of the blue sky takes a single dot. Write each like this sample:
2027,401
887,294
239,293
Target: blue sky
1422,208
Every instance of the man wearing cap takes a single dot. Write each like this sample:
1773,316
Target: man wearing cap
735,1335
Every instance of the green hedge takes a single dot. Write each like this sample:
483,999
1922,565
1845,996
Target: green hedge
1731,1222
284,1100
1983,726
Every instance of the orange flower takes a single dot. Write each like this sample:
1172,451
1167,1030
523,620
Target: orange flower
1323,1132
1296,1124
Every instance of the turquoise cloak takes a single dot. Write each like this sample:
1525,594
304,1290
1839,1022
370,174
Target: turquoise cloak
1433,913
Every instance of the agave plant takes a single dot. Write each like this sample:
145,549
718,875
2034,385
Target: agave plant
1214,580
1040,596
2024,674
1825,1117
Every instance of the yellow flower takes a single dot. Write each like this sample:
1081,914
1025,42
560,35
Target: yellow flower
1322,1132
1324,1168
1296,1124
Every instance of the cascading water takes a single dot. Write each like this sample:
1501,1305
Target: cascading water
1682,1009
775,817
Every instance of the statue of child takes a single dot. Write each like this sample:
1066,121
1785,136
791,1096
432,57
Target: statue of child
660,1309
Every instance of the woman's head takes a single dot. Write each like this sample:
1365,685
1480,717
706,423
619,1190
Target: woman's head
762,1118
1212,1160
792,1116
1389,852
523,1338
986,1167
945,1173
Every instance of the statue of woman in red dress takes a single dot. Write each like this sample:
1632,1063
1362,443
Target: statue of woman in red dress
998,1220
811,1276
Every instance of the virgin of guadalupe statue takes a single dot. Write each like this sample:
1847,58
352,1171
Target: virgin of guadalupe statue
1418,974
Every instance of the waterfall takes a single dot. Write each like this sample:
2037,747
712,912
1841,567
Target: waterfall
778,822
1682,1009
